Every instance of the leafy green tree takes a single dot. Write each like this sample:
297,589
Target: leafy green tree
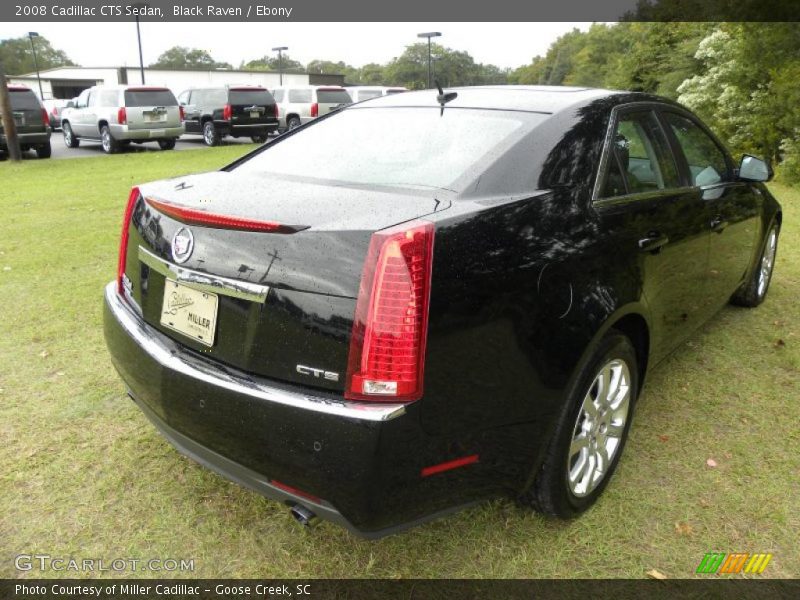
450,67
180,57
17,58
351,74
270,63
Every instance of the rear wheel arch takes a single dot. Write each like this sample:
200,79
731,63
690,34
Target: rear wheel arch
101,124
634,326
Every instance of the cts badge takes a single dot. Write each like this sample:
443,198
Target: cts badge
321,373
182,245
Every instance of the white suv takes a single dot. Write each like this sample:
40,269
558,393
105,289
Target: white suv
359,93
301,104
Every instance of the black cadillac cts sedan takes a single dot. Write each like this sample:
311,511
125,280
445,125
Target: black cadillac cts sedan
426,299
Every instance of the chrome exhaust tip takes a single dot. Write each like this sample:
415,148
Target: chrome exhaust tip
305,517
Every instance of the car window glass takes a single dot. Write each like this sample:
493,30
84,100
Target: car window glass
299,95
278,95
81,102
92,100
707,164
183,98
149,97
217,97
109,98
367,94
254,97
428,148
642,159
23,100
333,97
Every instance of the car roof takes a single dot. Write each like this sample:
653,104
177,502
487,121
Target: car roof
531,98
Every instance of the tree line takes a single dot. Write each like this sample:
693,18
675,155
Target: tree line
743,79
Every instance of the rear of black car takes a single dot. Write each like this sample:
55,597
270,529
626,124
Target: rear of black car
31,120
274,326
249,112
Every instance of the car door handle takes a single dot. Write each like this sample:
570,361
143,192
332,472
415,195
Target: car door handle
653,242
718,224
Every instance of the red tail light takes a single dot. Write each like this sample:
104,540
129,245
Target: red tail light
387,348
55,110
227,112
123,239
277,112
315,110
45,117
122,116
182,113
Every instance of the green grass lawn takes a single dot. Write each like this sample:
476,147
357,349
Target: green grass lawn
84,474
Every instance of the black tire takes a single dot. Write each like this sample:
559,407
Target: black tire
44,151
755,289
210,134
259,139
292,122
70,141
3,155
166,144
110,145
551,492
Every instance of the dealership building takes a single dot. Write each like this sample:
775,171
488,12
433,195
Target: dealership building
68,82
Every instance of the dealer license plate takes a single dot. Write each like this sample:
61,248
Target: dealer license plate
255,115
190,312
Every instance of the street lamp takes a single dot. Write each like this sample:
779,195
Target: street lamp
138,8
429,35
279,50
31,35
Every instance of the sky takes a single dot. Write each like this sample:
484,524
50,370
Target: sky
114,44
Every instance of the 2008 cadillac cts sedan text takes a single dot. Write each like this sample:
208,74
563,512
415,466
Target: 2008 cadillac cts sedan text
427,299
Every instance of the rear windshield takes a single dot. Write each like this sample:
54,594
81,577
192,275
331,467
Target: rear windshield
149,98
260,97
23,100
402,147
333,97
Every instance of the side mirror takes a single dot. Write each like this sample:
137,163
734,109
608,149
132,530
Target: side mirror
754,169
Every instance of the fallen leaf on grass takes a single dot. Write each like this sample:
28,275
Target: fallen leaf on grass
44,354
779,344
683,529
655,574
663,438
711,463
704,503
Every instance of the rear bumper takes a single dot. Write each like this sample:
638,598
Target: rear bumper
358,464
123,132
227,128
28,139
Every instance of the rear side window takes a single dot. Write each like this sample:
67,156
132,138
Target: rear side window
109,98
24,100
278,95
299,95
707,164
251,97
640,159
149,98
367,94
333,97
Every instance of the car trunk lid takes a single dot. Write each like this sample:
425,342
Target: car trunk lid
251,106
309,271
151,108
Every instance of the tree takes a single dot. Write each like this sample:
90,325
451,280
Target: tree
17,58
451,68
180,57
270,63
351,73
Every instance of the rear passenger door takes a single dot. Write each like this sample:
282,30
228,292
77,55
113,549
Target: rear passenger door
733,206
83,121
191,113
655,223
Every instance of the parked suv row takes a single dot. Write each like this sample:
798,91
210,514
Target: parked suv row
119,115
299,105
238,111
31,120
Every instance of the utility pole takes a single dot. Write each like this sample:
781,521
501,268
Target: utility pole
9,127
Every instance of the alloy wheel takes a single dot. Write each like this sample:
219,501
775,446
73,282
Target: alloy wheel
599,428
767,262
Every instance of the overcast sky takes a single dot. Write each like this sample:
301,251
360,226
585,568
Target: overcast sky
114,44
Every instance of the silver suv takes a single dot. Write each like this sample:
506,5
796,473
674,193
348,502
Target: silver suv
118,115
298,105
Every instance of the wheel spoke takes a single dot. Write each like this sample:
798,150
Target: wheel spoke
602,457
578,444
615,430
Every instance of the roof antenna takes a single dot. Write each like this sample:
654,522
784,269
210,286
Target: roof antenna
443,98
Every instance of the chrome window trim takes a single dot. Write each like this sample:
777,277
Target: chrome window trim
171,356
214,284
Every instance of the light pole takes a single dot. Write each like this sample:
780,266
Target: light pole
429,35
279,50
138,7
31,35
